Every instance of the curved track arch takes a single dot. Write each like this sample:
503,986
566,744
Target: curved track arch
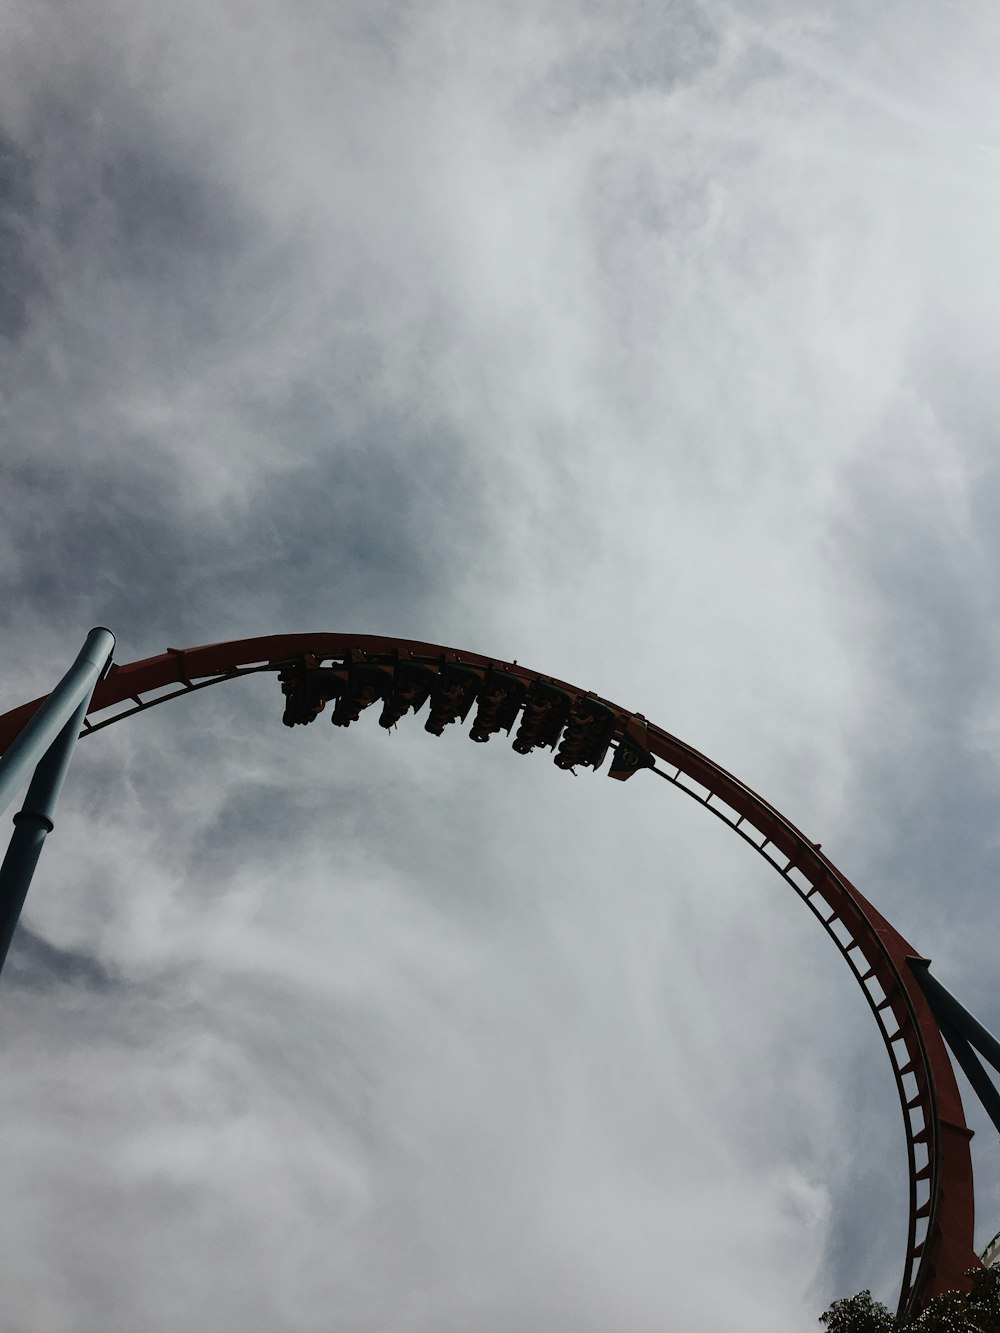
939,1248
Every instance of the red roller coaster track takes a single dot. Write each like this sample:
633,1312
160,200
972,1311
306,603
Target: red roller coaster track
939,1249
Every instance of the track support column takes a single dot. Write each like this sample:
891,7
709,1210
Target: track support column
965,1035
47,741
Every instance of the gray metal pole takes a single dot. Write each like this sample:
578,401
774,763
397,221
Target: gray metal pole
32,823
28,746
948,1009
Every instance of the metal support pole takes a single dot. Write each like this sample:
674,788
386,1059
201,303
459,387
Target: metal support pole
32,823
45,744
948,1010
28,746
974,1070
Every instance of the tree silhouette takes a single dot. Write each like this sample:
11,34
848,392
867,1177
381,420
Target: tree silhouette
974,1311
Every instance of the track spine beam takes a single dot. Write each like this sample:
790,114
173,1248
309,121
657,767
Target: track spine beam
940,1236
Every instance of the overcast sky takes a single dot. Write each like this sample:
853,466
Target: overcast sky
653,345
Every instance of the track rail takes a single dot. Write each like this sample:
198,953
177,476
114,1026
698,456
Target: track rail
939,1248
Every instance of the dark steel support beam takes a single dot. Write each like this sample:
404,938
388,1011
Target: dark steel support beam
949,1011
973,1069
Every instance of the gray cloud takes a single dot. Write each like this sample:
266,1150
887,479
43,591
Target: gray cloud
18,275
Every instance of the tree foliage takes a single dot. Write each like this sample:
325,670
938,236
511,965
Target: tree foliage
974,1311
859,1314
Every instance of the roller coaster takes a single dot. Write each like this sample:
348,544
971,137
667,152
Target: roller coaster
917,1018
